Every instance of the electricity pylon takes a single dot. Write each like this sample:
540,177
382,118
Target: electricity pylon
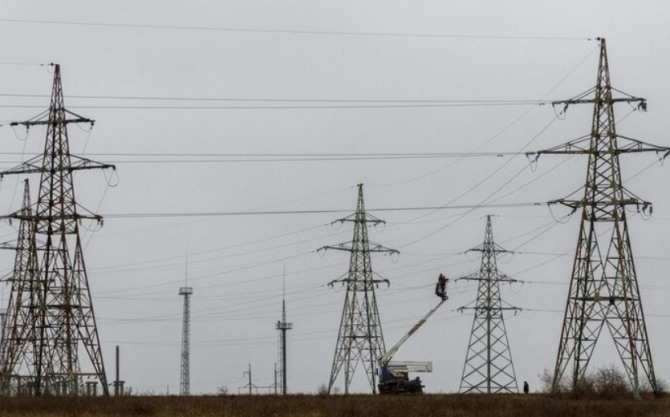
604,289
185,380
488,365
3,316
23,305
62,326
360,337
19,334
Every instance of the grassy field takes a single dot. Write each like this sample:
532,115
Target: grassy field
452,405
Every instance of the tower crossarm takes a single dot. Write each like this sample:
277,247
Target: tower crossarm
478,308
583,146
346,279
368,218
575,204
36,218
477,276
603,83
350,247
495,248
606,208
41,122
34,165
642,102
630,145
8,246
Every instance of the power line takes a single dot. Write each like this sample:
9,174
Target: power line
296,159
279,100
325,211
24,64
134,268
124,268
202,158
490,196
152,263
293,31
159,263
300,155
508,126
288,107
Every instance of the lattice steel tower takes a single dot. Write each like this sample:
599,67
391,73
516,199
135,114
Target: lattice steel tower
16,361
360,337
604,290
488,365
3,317
54,323
185,379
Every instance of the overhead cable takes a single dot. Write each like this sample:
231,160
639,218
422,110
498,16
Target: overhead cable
292,31
290,212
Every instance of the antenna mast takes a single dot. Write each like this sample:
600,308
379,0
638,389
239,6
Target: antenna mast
185,379
283,326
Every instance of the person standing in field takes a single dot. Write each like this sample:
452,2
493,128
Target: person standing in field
526,389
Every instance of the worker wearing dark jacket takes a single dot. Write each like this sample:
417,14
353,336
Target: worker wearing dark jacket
441,287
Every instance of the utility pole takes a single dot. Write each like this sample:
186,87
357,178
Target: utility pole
276,384
118,384
250,384
360,337
488,365
604,289
185,380
63,321
283,326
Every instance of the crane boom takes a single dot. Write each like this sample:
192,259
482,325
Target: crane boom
386,357
393,376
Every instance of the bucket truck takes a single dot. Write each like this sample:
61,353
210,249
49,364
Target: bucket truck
394,376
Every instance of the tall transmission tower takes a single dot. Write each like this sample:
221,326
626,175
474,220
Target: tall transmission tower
360,337
3,319
185,379
19,334
604,289
283,326
62,327
488,365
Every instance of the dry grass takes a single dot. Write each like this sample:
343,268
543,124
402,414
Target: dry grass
452,405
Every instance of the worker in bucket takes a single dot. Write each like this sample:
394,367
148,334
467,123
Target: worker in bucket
441,287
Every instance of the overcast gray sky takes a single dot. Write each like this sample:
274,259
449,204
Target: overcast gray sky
409,51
